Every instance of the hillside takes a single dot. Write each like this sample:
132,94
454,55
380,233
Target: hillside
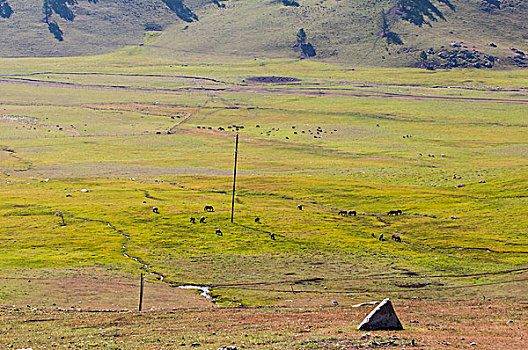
97,28
348,32
343,31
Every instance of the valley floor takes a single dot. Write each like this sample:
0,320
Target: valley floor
104,160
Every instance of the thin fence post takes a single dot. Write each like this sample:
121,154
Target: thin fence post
141,293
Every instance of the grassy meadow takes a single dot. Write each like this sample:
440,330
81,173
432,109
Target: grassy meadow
138,133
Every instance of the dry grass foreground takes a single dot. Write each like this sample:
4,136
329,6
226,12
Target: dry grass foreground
477,324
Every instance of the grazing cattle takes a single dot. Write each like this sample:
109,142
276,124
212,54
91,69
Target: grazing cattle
208,208
257,220
300,207
193,220
394,212
272,235
218,232
373,235
155,210
202,220
396,238
352,212
343,213
381,237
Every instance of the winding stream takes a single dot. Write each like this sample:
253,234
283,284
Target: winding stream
124,251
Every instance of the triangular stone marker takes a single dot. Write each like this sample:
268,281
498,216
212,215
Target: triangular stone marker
383,317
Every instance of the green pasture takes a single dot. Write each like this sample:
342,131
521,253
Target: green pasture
138,133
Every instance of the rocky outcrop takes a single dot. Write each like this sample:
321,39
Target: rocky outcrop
458,56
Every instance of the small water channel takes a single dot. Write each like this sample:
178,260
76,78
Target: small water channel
205,290
124,251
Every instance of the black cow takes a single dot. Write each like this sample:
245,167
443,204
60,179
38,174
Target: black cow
343,213
202,220
396,238
193,220
155,210
352,212
381,237
300,207
218,232
257,220
208,208
394,212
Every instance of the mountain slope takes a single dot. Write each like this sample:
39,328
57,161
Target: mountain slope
97,28
342,31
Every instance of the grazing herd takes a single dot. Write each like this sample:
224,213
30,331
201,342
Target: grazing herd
396,212
345,213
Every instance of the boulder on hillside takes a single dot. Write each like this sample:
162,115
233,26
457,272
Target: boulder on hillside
383,317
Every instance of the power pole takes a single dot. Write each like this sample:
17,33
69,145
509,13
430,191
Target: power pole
234,179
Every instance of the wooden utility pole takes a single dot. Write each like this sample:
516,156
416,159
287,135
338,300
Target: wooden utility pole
234,179
141,293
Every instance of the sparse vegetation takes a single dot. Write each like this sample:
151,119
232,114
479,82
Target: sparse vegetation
307,49
55,30
5,9
420,12
290,3
301,38
153,27
385,31
183,12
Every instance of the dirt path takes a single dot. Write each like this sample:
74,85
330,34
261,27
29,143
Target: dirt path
27,165
259,90
190,77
